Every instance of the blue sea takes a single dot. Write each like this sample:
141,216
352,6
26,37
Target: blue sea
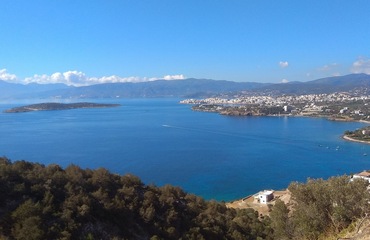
164,142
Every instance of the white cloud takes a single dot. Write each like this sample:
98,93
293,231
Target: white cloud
361,65
283,64
284,81
333,69
328,67
5,76
336,74
174,77
168,77
76,78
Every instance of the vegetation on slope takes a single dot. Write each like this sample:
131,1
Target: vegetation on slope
321,208
39,202
48,202
362,134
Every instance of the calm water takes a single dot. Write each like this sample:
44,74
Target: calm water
161,141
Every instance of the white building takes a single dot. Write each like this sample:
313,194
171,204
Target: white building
264,196
344,110
364,175
366,132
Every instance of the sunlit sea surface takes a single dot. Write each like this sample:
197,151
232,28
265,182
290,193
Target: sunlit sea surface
164,142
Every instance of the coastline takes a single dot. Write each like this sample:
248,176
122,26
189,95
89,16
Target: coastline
364,121
354,140
52,106
302,115
232,113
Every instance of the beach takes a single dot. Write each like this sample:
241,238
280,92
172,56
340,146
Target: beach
354,140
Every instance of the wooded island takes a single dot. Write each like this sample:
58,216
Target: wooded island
58,106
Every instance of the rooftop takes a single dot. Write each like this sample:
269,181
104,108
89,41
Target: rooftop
364,174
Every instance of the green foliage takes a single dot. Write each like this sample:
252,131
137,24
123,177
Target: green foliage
280,221
48,202
362,134
324,206
39,202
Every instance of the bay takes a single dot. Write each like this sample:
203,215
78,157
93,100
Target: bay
164,142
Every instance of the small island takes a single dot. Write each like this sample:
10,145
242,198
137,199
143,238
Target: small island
58,106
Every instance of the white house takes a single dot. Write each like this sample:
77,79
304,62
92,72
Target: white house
344,110
264,196
366,132
364,175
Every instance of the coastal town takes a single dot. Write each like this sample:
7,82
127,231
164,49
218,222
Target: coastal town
341,106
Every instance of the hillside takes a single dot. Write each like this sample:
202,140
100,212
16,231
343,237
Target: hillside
48,202
20,91
159,88
188,88
356,83
39,202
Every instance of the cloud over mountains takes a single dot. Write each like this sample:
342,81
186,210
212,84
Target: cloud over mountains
76,78
361,65
5,76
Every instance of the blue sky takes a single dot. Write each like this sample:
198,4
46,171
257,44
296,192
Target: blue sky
86,42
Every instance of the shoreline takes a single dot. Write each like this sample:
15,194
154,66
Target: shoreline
55,106
354,140
330,118
364,121
302,115
310,116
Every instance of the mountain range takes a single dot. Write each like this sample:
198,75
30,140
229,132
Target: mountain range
354,83
187,88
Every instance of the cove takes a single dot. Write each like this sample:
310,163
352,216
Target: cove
164,142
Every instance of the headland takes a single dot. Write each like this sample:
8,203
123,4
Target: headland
338,106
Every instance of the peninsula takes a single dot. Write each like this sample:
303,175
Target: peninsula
58,106
361,135
338,106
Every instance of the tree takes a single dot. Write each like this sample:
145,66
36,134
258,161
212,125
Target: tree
27,221
327,205
280,222
39,202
